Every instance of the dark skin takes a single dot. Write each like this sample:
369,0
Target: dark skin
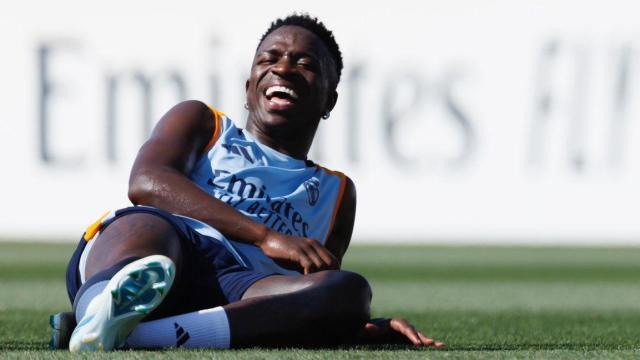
298,60
295,58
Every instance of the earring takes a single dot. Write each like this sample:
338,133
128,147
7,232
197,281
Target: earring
246,106
326,115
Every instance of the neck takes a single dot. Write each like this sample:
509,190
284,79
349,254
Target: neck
292,142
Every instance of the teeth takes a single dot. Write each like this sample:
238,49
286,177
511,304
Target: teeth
282,89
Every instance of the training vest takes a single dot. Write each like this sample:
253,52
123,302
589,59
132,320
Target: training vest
291,196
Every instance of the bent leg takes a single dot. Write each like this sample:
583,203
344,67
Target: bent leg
322,309
133,235
127,238
129,271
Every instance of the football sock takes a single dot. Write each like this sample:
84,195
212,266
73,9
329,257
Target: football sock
199,329
94,286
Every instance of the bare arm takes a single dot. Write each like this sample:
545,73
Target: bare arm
159,178
381,330
159,174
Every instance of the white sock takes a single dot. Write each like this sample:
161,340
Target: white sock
200,329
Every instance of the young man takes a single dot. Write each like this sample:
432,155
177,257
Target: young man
237,238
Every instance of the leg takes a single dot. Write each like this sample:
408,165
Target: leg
138,235
134,235
129,270
326,308
115,306
322,309
280,284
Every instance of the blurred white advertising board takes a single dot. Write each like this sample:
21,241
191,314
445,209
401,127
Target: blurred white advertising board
459,121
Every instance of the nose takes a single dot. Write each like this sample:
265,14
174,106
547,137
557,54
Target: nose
283,66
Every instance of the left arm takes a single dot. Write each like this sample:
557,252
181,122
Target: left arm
381,331
340,237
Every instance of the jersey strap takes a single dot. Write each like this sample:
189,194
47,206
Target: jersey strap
336,208
217,120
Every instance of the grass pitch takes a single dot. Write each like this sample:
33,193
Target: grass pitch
484,302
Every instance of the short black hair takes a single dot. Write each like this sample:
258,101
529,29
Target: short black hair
315,26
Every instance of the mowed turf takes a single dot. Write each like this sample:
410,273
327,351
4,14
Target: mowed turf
484,302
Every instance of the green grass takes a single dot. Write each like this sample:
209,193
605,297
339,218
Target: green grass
484,302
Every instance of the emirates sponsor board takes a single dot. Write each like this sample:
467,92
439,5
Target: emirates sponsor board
459,121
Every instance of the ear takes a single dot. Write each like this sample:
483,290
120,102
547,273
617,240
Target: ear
332,99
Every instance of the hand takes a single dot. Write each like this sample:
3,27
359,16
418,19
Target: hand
384,331
305,254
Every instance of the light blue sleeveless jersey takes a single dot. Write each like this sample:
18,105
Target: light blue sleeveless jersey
289,195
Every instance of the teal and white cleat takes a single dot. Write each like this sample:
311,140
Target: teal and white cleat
132,293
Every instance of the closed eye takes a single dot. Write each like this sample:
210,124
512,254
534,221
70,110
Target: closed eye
267,57
308,64
266,60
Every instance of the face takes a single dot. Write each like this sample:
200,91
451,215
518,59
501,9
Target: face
292,79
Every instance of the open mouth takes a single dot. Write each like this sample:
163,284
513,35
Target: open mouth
281,96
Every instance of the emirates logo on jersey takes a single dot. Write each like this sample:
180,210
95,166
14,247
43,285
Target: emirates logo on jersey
313,190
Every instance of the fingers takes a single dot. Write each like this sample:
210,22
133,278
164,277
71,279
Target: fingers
416,337
310,255
430,342
314,257
407,330
297,254
305,263
425,340
328,258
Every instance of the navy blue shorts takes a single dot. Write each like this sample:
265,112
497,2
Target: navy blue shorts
210,275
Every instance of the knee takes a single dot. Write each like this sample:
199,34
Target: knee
143,232
353,285
349,289
134,235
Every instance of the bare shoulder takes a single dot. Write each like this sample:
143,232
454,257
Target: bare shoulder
190,112
349,190
193,107
347,211
188,125
177,141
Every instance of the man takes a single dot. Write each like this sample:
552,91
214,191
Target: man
253,257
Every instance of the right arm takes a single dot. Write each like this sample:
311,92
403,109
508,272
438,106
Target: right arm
159,178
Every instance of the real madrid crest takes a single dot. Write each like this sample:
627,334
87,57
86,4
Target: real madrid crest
313,190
